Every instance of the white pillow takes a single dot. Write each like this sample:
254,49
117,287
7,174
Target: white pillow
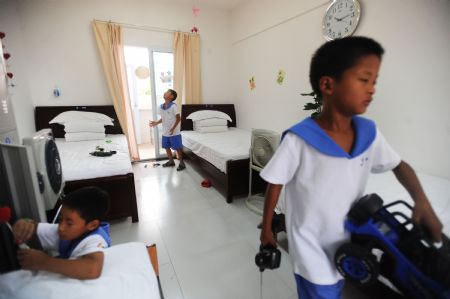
204,114
209,122
84,126
67,116
213,129
82,136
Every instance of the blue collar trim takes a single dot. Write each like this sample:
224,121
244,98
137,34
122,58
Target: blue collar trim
66,248
168,105
314,135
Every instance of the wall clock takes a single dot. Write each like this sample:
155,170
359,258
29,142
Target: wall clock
341,19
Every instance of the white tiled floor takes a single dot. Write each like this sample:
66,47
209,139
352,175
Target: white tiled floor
206,247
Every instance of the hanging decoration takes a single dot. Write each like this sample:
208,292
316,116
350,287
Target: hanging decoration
166,77
280,77
142,72
196,13
252,83
7,56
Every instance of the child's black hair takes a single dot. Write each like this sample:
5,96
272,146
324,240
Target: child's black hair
92,203
335,57
174,94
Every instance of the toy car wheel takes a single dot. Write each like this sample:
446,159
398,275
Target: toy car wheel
365,208
357,264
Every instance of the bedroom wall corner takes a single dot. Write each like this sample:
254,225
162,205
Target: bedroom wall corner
411,105
10,24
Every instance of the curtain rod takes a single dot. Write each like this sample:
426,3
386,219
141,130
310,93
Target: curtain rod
280,23
142,27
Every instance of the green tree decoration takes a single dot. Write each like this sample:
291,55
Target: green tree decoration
316,105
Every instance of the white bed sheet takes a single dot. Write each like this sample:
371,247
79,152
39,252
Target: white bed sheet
127,273
78,164
437,190
218,148
389,189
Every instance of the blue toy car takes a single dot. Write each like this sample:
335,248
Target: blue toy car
387,243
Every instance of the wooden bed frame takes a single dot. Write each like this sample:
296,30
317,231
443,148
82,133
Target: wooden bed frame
153,255
235,181
120,187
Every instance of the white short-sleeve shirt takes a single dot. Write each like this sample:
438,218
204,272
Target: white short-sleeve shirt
48,235
169,117
320,190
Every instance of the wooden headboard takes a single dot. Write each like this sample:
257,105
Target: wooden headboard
44,114
186,124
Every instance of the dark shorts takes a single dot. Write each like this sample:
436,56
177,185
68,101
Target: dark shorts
173,142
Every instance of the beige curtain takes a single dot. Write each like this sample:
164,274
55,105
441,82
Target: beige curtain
187,77
110,47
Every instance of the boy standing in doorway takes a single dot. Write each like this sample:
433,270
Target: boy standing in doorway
171,139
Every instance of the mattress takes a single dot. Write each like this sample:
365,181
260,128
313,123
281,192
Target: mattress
127,273
389,189
78,164
437,190
218,148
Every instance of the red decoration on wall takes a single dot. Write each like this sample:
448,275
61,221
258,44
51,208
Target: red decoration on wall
6,56
196,13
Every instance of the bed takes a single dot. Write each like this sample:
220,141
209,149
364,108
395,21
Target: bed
127,273
221,158
115,177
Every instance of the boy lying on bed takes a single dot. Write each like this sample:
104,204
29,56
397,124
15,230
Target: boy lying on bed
79,238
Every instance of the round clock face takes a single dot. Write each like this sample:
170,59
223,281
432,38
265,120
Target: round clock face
341,19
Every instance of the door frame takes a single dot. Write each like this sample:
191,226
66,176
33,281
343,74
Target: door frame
155,107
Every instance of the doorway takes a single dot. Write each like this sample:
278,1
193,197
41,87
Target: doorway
150,74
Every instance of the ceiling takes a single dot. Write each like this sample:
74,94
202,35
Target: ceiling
220,4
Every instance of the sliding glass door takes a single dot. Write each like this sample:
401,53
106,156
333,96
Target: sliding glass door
150,74
163,74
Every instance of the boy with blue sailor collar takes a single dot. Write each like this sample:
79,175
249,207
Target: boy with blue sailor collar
324,163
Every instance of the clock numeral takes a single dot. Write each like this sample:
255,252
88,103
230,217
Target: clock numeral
346,29
339,34
328,24
330,17
350,23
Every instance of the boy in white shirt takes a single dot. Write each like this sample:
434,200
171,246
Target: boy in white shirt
324,163
170,118
79,238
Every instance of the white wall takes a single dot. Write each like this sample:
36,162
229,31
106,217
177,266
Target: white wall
411,105
61,49
14,44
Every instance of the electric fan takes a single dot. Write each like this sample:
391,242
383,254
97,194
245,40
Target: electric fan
48,166
264,143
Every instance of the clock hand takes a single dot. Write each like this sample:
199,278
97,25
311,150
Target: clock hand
341,19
